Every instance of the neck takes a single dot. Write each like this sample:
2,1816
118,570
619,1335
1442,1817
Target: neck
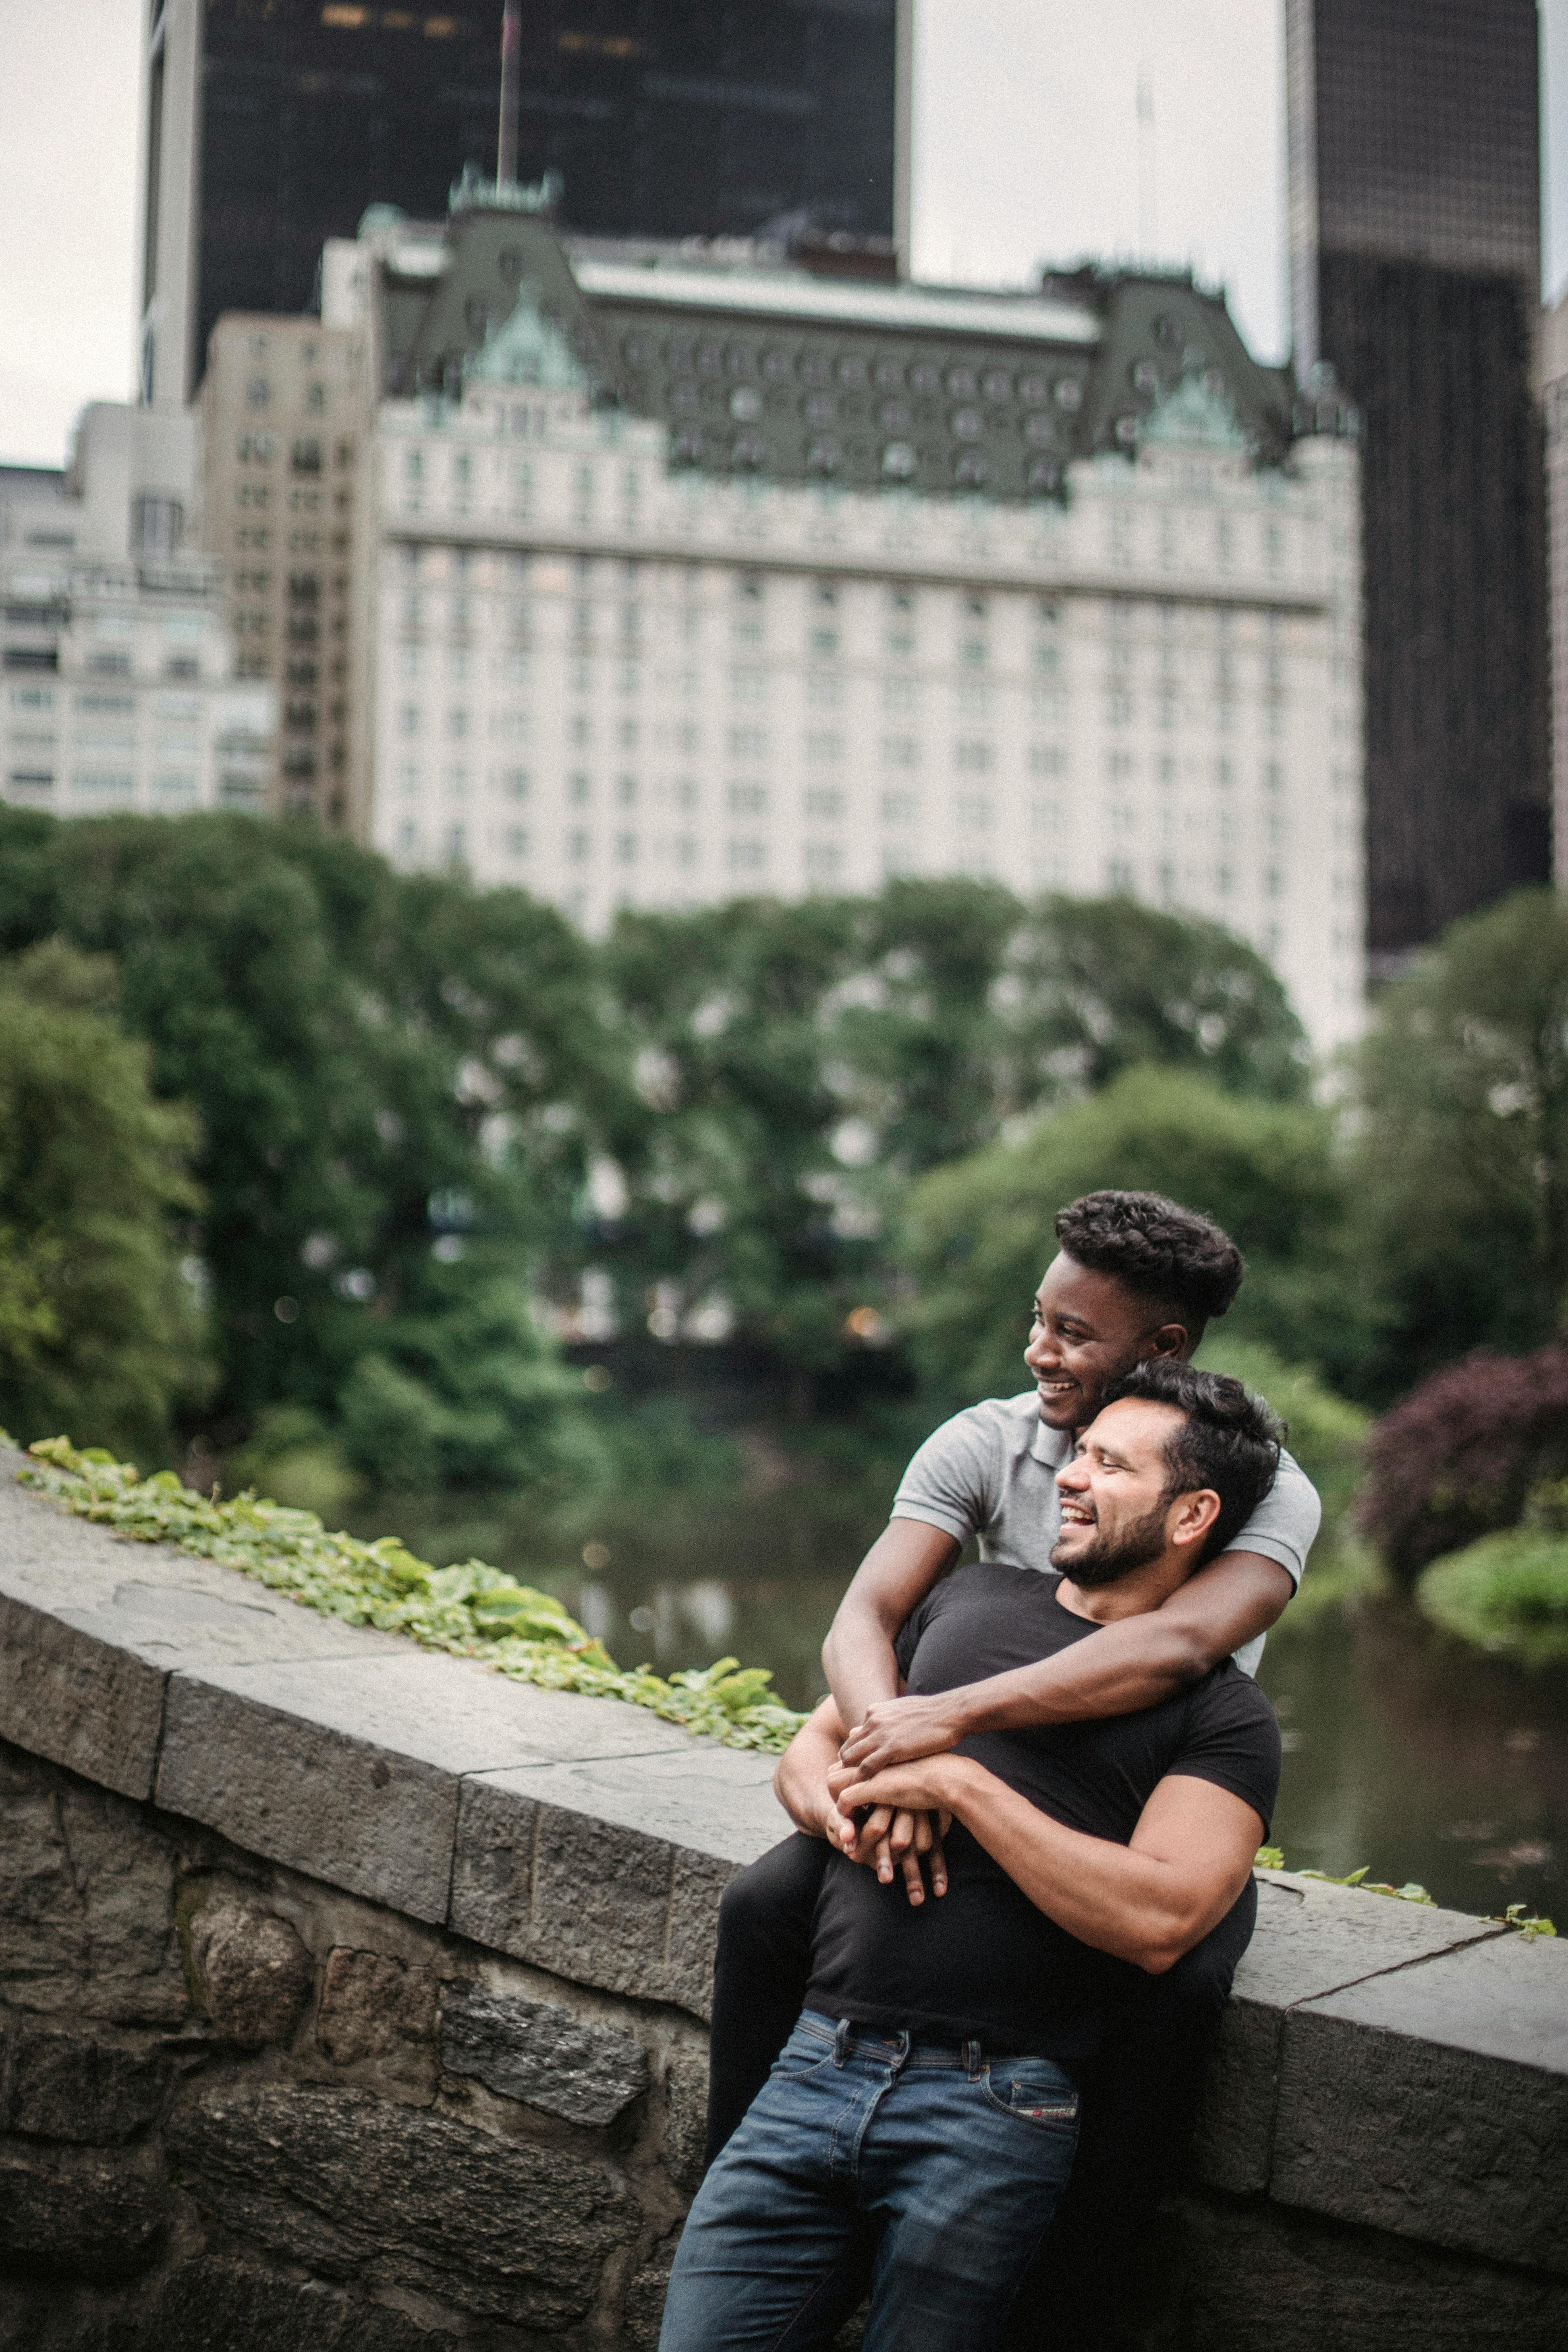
1146,1588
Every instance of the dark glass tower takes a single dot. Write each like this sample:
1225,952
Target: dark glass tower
1415,274
663,119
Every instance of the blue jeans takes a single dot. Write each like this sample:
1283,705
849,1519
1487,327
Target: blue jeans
952,2163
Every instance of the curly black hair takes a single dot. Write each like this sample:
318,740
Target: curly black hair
1229,1440
1176,1257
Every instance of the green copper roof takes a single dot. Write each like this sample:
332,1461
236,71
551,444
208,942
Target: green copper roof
766,371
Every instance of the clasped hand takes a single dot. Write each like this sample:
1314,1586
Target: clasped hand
904,1825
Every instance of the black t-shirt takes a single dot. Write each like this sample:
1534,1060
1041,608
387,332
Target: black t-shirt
982,1962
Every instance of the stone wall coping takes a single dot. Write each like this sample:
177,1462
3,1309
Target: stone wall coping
592,1840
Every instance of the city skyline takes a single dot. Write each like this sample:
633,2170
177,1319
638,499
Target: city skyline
1050,102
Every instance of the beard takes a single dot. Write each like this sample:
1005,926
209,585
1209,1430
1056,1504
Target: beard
1106,1559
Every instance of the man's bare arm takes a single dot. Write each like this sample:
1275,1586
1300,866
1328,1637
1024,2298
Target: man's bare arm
1147,1902
1130,1664
894,1578
801,1775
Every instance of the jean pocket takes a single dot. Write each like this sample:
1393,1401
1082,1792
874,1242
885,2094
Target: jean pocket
1033,2092
802,2055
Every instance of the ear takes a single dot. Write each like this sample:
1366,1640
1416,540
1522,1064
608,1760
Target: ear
1194,1517
1170,1340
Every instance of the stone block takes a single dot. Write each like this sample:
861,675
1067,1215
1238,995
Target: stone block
373,2006
642,2312
79,2086
1257,2279
581,1897
1311,1940
356,2187
215,2305
543,2054
1433,2102
81,2213
252,1971
91,1625
610,1872
87,1900
350,1769
685,2117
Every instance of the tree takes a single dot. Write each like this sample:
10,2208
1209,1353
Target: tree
100,1333
393,1076
1462,1168
978,1235
798,1066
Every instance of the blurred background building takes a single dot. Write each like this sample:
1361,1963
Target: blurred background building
117,676
272,124
682,579
1414,204
279,413
1555,402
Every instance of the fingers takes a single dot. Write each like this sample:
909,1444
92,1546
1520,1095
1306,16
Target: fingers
936,1863
914,1885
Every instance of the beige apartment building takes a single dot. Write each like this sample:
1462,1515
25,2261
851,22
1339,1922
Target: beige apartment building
687,575
281,414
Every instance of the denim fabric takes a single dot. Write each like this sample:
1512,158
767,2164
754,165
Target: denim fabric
947,2163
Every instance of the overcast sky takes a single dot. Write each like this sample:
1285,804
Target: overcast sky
1028,147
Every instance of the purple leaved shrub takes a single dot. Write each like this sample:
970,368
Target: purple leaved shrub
1459,1458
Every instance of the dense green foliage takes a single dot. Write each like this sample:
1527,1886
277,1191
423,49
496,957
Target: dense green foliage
1326,1434
1461,1191
978,1233
1509,1593
424,1109
471,1609
95,1316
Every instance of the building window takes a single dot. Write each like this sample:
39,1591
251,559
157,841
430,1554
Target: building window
1046,759
1118,874
748,800
901,751
973,812
823,860
972,756
578,789
824,801
625,848
577,848
748,855
823,751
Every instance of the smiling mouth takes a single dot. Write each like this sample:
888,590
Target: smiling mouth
1077,1514
1056,1388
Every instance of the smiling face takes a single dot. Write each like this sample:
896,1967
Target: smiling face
1089,1329
1116,1513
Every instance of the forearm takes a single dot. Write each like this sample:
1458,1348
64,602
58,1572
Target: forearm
895,1576
1134,1661
857,1659
800,1777
1135,1905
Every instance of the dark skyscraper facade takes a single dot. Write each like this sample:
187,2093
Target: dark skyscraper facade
274,124
1415,275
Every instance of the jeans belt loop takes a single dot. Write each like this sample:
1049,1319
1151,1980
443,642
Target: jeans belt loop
841,2042
973,2058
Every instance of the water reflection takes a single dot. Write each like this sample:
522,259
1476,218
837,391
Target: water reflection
1405,1750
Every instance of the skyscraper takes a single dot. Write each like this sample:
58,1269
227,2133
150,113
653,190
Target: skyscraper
1414,270
273,124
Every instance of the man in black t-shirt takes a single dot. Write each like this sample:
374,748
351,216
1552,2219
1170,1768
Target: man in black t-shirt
928,2097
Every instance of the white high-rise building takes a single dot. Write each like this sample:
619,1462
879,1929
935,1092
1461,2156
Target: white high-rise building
685,576
116,669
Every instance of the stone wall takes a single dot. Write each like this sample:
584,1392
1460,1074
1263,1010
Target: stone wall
352,2001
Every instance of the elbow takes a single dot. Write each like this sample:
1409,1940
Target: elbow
1189,1654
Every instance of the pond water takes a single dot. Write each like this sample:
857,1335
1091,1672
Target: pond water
1405,1750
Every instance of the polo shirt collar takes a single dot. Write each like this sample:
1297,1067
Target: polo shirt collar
1051,1446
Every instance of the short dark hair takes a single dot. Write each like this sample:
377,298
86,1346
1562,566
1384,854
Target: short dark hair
1228,1438
1173,1256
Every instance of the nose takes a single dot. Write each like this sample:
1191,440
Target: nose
1041,1352
1072,1478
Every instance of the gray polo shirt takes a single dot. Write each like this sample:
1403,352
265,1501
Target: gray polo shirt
991,1473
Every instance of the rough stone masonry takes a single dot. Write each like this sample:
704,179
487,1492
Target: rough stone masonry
351,2000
